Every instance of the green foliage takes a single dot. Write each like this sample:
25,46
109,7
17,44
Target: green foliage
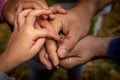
93,25
4,35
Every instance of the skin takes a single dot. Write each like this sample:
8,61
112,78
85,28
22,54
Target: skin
11,6
86,50
63,22
26,40
75,25
82,8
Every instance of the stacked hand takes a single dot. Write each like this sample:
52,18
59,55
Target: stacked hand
36,31
29,32
26,39
73,28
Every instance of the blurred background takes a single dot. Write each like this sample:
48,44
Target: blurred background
106,23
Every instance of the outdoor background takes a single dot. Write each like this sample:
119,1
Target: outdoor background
95,70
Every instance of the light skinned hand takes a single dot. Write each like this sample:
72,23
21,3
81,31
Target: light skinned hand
26,40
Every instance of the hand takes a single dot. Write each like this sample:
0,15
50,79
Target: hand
25,40
74,27
11,6
87,49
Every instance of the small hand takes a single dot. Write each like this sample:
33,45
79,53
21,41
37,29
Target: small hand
25,40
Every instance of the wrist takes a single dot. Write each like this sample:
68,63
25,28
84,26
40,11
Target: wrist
88,7
102,46
7,63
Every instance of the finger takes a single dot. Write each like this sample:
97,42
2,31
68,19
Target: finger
45,33
45,17
19,8
52,52
51,16
21,17
58,9
68,43
56,24
37,45
65,47
45,24
16,18
44,60
35,13
36,25
70,62
15,24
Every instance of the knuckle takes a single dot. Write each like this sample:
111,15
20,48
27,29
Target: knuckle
30,13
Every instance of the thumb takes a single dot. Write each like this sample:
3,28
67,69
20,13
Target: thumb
69,62
68,43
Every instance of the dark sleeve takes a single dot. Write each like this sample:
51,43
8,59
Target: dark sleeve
114,50
5,77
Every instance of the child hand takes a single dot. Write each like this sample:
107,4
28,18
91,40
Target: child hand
25,40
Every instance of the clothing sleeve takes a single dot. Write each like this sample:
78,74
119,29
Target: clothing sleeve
114,50
5,77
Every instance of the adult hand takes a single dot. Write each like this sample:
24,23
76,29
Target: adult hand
87,49
74,26
25,40
11,6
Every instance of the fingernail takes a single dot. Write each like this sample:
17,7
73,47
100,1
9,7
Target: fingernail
62,52
46,55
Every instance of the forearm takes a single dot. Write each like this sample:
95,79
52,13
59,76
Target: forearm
6,64
102,45
105,47
91,7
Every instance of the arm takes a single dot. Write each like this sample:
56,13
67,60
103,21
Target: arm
91,6
25,40
86,50
74,25
84,11
11,6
